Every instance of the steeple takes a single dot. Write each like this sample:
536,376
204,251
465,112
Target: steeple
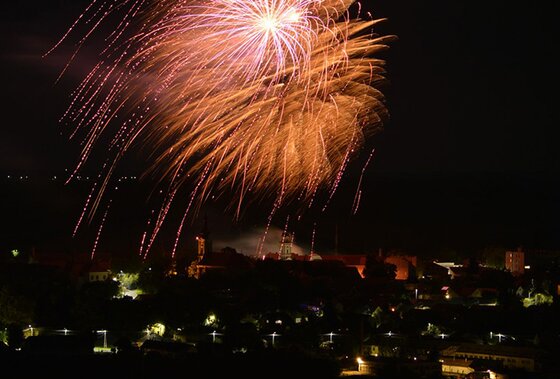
286,246
201,240
203,246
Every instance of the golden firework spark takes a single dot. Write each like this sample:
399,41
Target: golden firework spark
260,97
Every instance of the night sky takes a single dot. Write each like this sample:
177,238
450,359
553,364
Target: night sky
468,159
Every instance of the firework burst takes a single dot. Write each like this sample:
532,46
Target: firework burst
260,97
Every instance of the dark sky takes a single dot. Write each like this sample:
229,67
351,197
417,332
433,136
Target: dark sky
468,159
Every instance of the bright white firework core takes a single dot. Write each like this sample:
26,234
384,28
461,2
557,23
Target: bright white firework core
269,24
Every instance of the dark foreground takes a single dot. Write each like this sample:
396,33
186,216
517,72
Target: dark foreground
80,366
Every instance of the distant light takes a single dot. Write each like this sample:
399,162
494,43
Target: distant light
527,267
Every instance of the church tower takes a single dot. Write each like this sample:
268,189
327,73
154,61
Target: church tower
286,246
203,246
201,241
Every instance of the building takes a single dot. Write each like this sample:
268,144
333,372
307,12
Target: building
226,259
286,246
405,264
99,271
208,260
201,245
398,367
79,267
468,368
509,357
357,262
456,368
515,262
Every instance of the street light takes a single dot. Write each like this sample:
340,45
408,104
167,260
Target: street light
214,334
330,335
274,335
500,337
65,331
104,337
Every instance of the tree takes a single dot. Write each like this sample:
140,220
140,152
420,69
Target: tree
15,309
493,256
377,268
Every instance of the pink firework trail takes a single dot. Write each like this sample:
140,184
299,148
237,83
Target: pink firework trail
259,98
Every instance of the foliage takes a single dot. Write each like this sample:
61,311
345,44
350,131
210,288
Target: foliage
377,268
538,299
15,309
432,330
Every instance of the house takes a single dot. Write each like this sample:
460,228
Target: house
510,357
515,262
77,266
405,265
416,368
358,262
468,368
99,271
471,295
226,259
456,367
